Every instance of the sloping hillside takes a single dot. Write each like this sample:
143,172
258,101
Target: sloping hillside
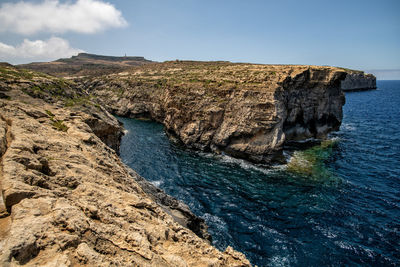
86,65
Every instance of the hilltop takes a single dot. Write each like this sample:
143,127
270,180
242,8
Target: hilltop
86,65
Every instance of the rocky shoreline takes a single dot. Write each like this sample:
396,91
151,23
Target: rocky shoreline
247,111
68,200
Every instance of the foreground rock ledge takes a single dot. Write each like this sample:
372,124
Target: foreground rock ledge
245,110
66,198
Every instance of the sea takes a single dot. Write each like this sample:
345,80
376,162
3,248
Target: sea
336,203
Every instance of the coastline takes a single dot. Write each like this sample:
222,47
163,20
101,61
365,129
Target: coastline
71,201
62,152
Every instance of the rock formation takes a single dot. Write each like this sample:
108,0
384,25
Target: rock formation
244,110
66,198
358,81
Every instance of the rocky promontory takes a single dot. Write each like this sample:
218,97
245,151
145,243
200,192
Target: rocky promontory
66,199
358,81
245,110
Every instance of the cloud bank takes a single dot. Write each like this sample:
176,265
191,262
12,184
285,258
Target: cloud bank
38,50
83,16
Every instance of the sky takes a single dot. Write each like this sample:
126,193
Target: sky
356,34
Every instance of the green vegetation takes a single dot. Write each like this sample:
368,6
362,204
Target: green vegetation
160,83
37,84
9,73
57,89
58,124
78,100
49,113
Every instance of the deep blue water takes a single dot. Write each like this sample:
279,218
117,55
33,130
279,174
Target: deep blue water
346,213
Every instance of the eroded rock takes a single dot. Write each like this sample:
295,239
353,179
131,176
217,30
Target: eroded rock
69,199
244,110
358,81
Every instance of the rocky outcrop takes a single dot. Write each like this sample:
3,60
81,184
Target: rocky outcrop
177,209
68,199
244,110
358,81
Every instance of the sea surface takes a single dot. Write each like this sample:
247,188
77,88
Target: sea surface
336,204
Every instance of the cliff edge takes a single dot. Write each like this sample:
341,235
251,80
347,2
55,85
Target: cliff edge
247,111
358,81
68,200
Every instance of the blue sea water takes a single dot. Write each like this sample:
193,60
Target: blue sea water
346,213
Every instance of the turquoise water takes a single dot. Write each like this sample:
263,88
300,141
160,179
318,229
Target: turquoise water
336,204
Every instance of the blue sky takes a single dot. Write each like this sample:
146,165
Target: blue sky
354,34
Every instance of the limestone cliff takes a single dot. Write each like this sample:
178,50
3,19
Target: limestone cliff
245,110
357,81
66,198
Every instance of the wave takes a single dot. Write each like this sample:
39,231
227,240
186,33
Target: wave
157,183
348,127
244,164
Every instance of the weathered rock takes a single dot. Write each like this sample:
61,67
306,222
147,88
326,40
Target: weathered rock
245,110
178,210
69,199
358,81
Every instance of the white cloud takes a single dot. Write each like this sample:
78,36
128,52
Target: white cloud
82,16
28,51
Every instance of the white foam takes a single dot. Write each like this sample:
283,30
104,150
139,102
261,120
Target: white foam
244,164
157,183
218,221
348,127
279,260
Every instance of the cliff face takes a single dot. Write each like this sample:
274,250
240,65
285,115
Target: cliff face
66,198
357,81
244,110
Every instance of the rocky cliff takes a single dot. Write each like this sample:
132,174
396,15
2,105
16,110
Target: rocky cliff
66,198
244,110
358,81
